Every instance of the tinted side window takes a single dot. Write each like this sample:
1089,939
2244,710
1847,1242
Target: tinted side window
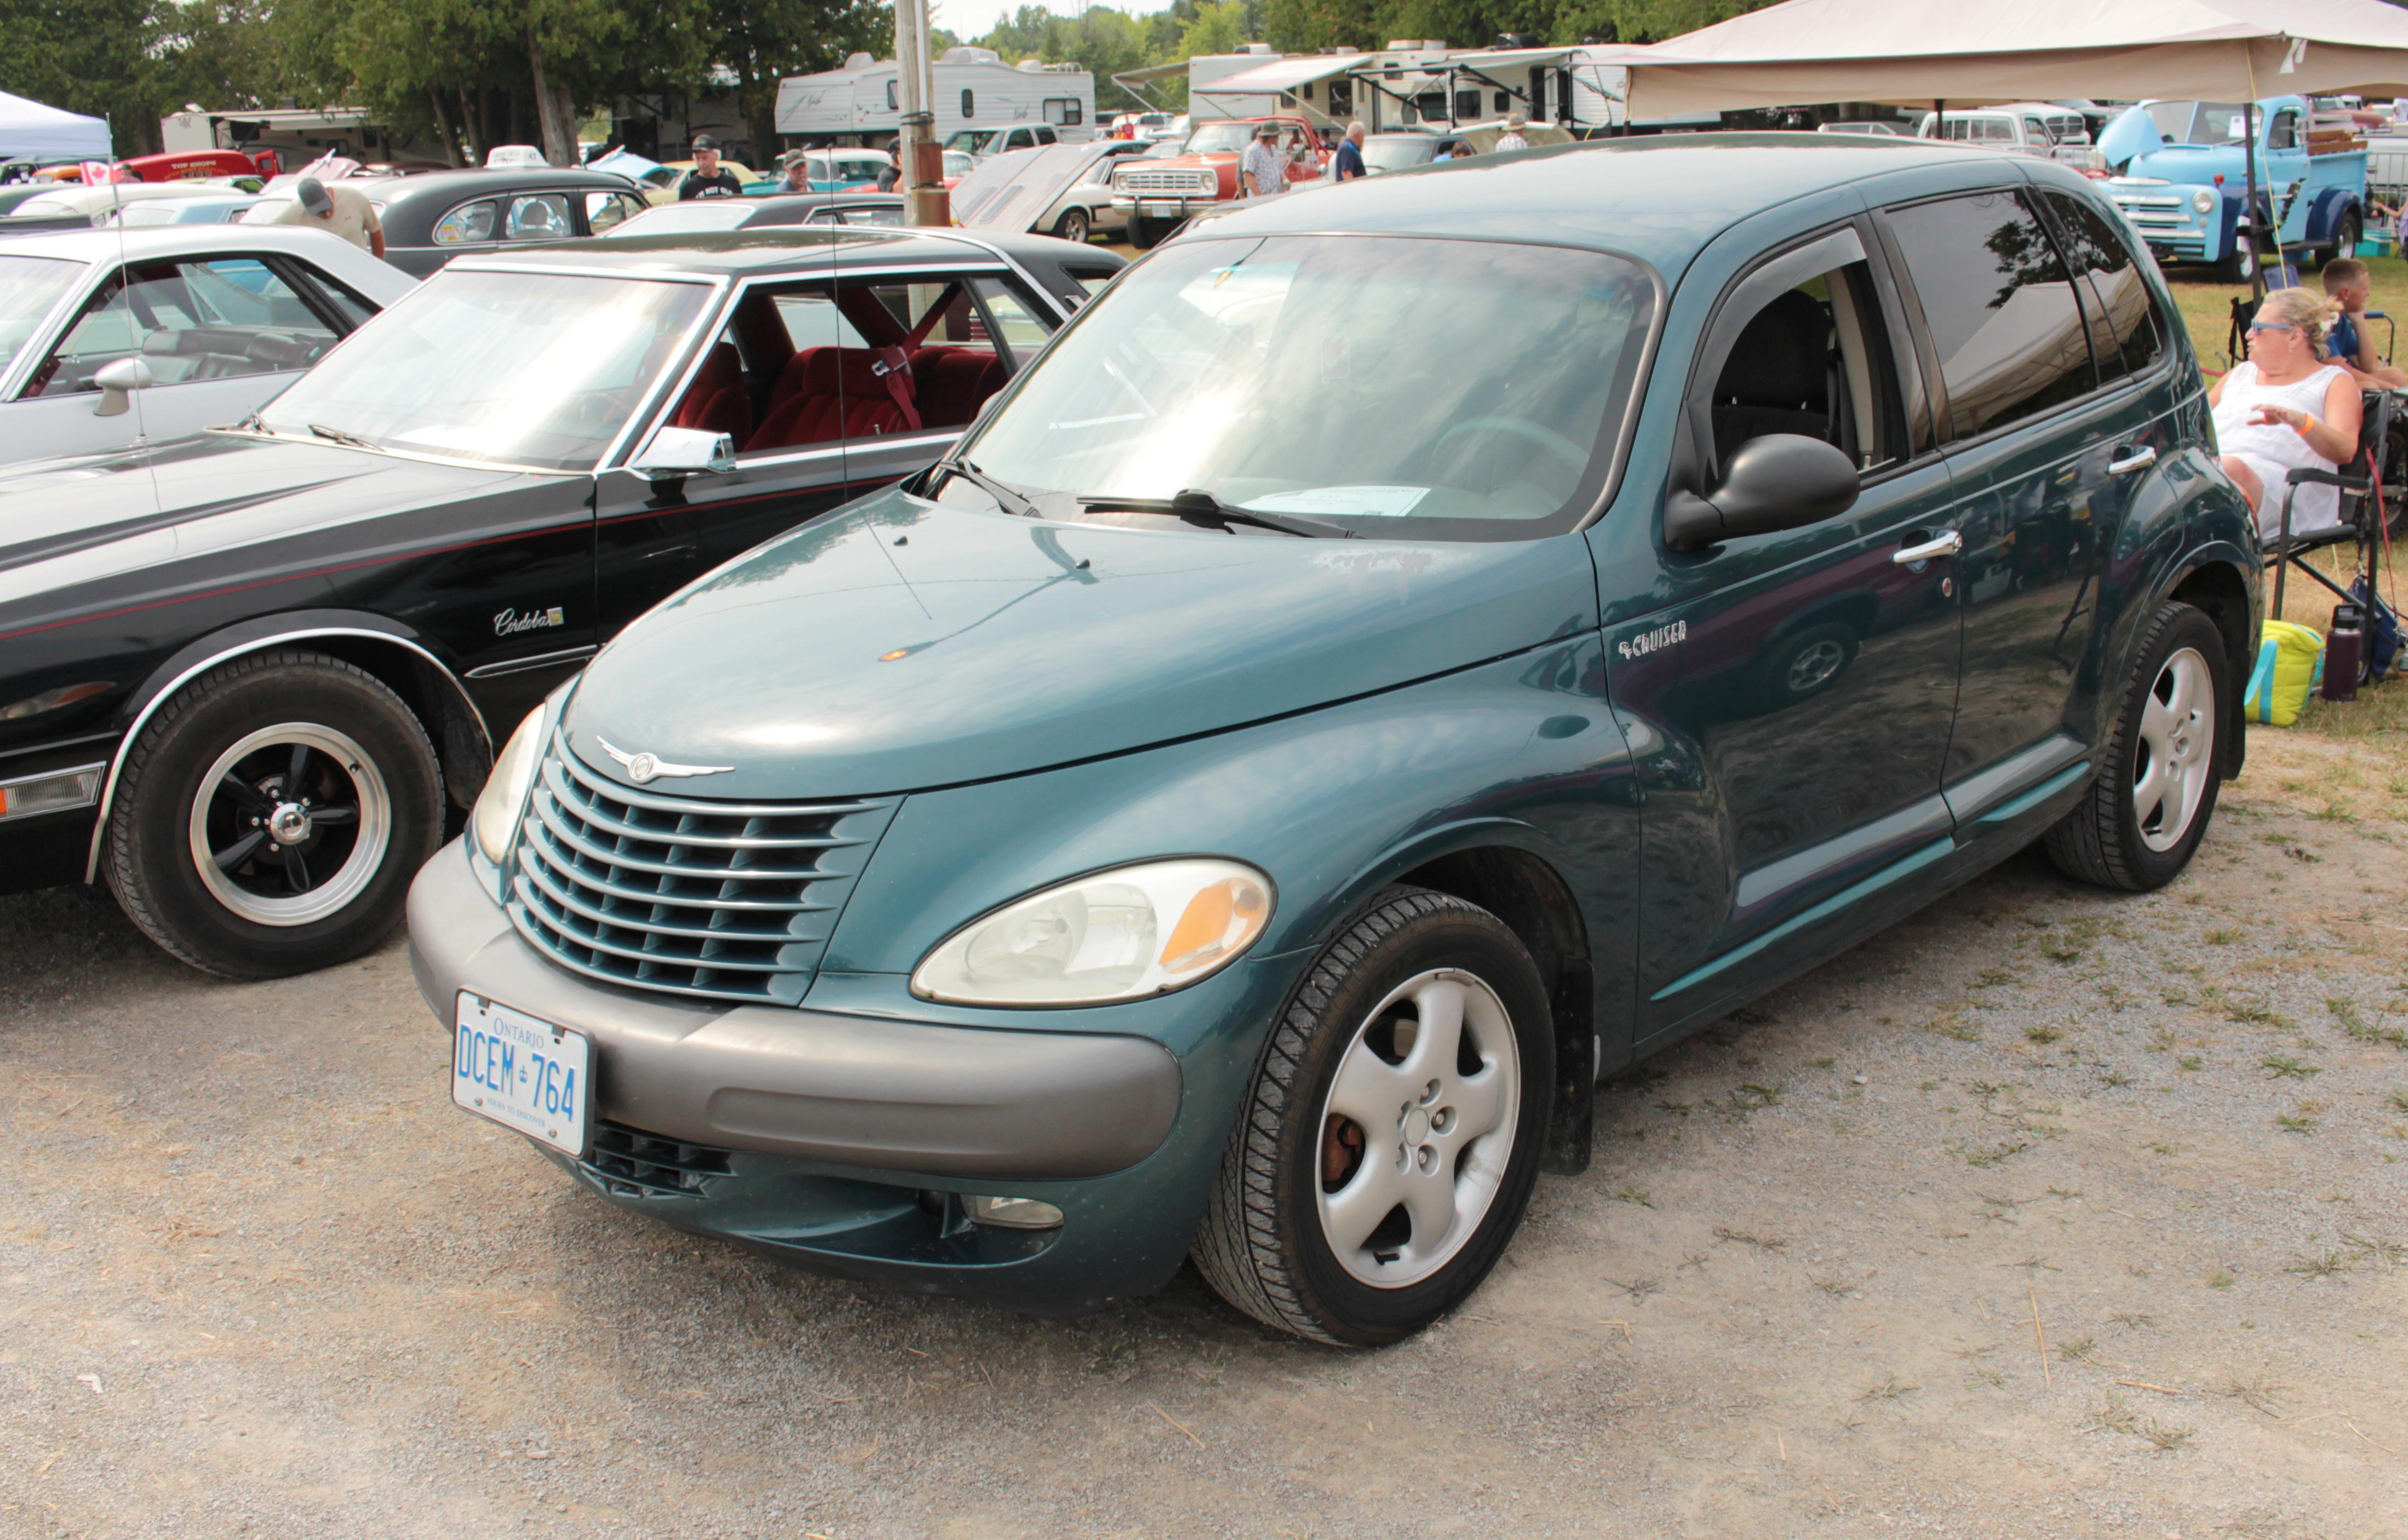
2106,263
2000,308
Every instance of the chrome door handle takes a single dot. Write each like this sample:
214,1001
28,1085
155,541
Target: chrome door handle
1948,544
2139,459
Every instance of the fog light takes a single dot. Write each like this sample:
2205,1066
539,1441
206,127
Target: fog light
1011,1213
54,793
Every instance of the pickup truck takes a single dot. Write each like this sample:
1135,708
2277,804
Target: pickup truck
1159,196
2038,128
2181,177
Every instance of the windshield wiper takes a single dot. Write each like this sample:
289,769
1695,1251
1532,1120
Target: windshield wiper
1199,507
1005,498
348,440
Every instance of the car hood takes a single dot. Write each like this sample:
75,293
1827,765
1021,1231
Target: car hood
904,645
64,522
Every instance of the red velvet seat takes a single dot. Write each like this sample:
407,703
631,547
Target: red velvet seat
827,393
953,383
716,401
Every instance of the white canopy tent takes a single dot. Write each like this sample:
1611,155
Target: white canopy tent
30,131
1911,52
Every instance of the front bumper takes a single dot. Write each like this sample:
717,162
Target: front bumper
846,1141
1164,209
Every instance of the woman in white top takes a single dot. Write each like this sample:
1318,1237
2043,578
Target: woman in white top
2286,407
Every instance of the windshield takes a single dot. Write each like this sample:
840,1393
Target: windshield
526,368
29,286
1397,154
2198,122
1220,138
1275,375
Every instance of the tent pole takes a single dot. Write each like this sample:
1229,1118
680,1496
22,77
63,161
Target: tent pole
2249,170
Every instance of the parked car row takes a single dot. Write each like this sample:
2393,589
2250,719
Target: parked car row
979,785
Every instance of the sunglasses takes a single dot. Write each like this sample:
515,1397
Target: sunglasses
2271,326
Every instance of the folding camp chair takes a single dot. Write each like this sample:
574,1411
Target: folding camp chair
2362,515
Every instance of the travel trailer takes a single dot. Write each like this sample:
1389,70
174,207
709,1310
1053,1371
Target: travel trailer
863,101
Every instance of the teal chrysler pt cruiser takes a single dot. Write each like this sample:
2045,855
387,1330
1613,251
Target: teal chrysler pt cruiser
1398,655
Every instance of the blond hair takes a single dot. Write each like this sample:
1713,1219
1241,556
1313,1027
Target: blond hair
2304,309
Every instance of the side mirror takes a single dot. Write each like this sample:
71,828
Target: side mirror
115,380
676,452
1779,481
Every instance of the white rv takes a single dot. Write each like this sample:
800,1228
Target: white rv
862,102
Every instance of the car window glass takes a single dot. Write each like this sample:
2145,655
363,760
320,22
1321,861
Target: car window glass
2106,263
188,321
2283,134
345,301
811,321
1999,306
29,287
470,221
542,215
606,209
1815,360
1012,315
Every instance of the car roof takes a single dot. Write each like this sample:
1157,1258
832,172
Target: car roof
741,252
1658,198
139,242
452,185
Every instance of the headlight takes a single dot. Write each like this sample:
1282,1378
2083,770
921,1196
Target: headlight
2202,200
506,789
1120,935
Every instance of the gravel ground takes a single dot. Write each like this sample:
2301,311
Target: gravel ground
2049,1213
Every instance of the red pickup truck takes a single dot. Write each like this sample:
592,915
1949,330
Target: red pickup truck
1159,195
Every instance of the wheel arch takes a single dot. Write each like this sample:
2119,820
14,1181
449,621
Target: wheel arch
1500,865
2215,586
389,651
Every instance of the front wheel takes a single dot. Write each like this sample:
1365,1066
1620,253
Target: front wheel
269,818
1389,1142
2239,265
1072,226
2151,801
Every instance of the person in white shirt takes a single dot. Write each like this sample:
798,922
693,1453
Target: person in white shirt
1261,169
343,210
1512,138
2285,408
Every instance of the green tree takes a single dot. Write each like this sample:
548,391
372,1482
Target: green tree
761,42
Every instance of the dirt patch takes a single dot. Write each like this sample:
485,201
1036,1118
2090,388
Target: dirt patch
2048,1213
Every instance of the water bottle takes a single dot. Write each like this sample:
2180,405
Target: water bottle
2345,653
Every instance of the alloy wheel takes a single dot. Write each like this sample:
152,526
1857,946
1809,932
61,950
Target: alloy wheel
1418,1128
1813,667
290,823
2176,756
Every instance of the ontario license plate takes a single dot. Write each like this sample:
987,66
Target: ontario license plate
525,1074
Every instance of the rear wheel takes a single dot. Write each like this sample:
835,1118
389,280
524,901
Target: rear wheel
2150,803
269,818
1072,226
1389,1143
2345,237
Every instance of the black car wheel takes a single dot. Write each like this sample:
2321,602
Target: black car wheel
1390,1140
269,818
2344,238
2150,803
1072,226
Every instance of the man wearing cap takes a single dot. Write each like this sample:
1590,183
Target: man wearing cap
1512,138
339,208
1260,169
709,179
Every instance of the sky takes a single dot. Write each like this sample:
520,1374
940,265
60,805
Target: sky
973,18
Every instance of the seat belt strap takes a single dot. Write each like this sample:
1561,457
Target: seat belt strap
893,367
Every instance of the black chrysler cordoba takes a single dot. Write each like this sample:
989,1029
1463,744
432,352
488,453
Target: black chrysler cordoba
243,673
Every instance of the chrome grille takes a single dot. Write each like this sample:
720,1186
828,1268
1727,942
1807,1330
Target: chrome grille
725,900
1164,181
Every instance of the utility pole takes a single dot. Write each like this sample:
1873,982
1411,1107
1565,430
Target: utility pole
922,158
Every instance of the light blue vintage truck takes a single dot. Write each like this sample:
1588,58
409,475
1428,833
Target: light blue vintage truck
2182,175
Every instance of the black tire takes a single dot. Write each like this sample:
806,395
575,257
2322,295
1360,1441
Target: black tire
1263,1244
2344,238
1804,663
2237,265
2106,840
1072,225
356,739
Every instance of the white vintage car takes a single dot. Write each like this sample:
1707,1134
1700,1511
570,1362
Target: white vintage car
113,338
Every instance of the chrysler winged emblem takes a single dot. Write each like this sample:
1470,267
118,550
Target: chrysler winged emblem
643,767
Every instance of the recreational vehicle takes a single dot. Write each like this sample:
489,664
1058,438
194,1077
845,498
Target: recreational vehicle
862,102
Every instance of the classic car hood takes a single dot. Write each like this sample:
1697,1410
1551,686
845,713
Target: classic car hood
906,644
65,521
2186,164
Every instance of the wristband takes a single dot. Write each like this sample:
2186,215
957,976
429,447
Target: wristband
2310,426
